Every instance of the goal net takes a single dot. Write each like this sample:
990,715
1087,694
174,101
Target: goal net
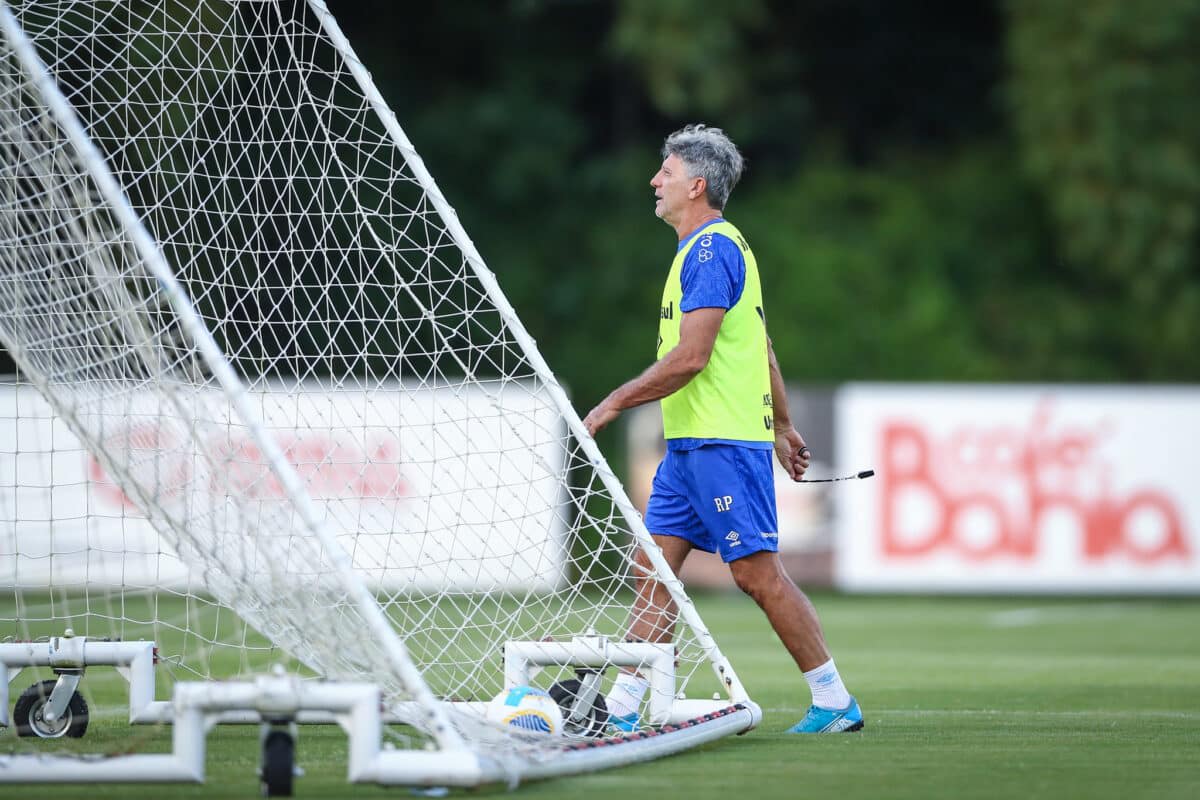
272,406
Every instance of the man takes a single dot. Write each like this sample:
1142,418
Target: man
724,410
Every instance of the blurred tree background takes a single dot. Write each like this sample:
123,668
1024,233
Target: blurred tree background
1000,191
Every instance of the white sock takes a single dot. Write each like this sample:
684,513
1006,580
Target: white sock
626,695
828,691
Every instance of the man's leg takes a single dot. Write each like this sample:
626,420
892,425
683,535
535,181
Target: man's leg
794,619
652,619
653,616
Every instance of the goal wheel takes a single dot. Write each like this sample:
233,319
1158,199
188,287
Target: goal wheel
28,720
566,693
278,764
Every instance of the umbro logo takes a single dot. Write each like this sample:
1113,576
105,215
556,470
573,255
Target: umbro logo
733,537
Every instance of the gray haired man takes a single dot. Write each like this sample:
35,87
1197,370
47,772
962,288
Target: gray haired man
724,411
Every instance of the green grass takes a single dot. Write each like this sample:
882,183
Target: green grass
978,698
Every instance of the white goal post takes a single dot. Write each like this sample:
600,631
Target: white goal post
272,405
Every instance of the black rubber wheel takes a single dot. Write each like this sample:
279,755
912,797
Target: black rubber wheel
27,714
278,764
564,693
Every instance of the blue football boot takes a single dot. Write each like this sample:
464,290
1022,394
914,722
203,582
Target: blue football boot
830,720
628,723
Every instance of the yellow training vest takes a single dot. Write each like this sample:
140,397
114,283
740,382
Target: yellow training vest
731,397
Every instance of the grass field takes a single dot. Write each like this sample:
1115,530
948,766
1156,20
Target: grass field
964,698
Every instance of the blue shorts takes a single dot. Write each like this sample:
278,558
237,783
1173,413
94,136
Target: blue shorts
719,497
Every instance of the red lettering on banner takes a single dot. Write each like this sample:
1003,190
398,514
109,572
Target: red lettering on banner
328,468
988,493
145,446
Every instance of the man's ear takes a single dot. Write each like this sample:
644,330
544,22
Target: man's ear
698,188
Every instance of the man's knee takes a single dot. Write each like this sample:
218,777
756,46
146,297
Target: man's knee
641,562
759,576
756,586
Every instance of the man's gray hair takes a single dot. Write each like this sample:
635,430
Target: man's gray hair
708,153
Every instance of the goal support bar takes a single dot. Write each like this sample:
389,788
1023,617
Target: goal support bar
135,660
521,658
356,707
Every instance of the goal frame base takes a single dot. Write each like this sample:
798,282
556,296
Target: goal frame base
523,659
357,708
135,661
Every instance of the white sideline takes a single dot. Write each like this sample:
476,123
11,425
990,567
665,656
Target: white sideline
1004,712
1041,615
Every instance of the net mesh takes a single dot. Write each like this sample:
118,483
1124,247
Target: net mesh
139,501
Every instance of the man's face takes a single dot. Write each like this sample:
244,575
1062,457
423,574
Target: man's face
673,189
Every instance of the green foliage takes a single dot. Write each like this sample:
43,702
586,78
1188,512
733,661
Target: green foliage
927,261
691,54
904,231
1103,99
892,273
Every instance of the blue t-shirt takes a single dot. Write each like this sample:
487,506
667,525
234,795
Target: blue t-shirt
713,273
713,276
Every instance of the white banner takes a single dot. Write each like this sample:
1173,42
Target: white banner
425,489
1019,488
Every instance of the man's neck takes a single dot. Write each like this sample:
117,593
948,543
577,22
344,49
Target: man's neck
690,222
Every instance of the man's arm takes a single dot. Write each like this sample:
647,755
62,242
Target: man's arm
697,335
789,444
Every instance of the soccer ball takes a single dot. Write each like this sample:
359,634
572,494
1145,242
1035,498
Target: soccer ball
527,709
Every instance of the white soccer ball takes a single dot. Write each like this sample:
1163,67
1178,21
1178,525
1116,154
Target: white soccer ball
527,709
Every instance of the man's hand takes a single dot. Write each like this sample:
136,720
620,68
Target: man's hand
697,334
600,416
792,452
